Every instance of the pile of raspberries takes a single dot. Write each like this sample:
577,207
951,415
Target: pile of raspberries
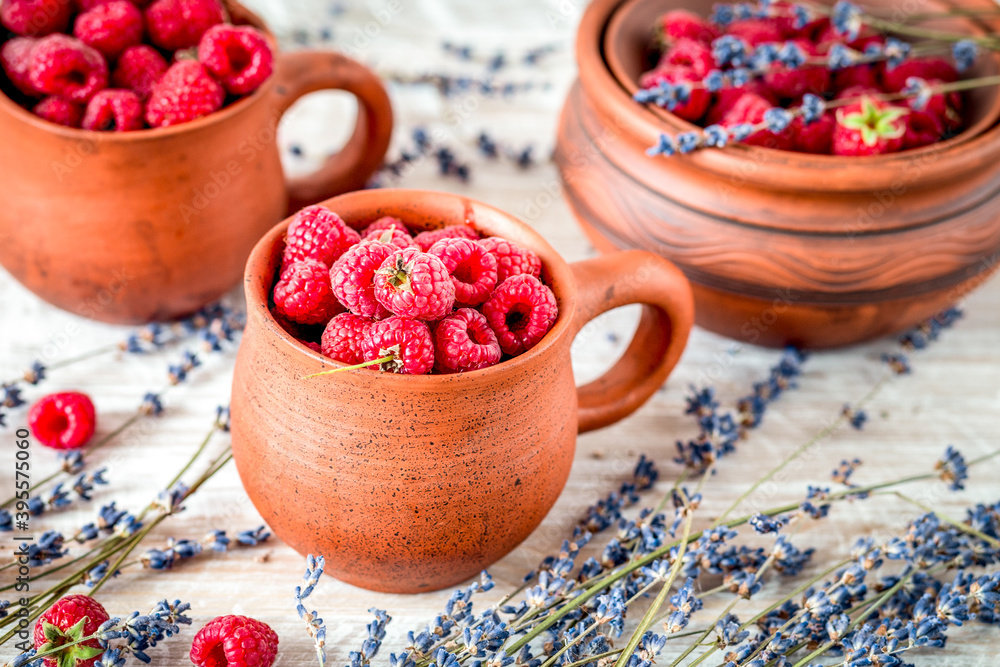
867,126
123,65
442,301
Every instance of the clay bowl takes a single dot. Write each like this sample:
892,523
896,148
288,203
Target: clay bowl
150,225
780,247
414,483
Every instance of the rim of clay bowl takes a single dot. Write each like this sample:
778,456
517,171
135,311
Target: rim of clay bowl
241,16
598,66
555,270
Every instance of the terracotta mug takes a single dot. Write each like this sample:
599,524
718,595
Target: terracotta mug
414,483
138,226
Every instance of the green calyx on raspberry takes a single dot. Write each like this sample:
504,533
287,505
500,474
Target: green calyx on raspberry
66,645
875,122
399,275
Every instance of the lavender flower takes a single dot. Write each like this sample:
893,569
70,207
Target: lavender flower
370,646
953,469
964,52
846,19
314,624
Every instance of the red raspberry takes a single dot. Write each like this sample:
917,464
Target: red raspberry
353,276
869,127
114,110
315,347
689,53
815,137
384,223
859,75
35,18
520,311
922,129
15,56
342,338
785,19
65,66
185,92
303,293
473,269
426,239
894,79
785,82
727,98
110,28
750,109
63,421
317,233
238,56
512,259
415,284
682,24
393,236
755,32
857,92
463,341
947,107
59,111
698,100
407,341
179,24
58,620
139,68
234,641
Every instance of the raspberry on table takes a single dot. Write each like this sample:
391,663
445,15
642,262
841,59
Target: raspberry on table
179,24
317,233
520,312
110,28
186,91
65,420
15,56
406,341
139,68
234,641
382,224
342,338
238,56
59,621
473,269
114,110
35,18
512,259
64,66
57,110
353,278
415,284
303,293
426,239
464,341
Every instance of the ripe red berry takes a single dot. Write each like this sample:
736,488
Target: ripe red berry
342,338
750,109
382,224
755,32
185,92
55,627
353,278
15,56
869,127
303,293
512,259
63,421
35,18
59,111
699,98
317,233
238,56
415,284
179,24
114,110
426,239
234,641
684,24
946,106
464,341
727,98
894,78
520,312
786,82
407,341
688,53
110,28
922,129
815,137
65,66
473,269
393,236
139,68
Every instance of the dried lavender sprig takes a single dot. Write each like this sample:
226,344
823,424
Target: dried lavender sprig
314,624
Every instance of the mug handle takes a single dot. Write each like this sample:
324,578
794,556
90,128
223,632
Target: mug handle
618,279
302,72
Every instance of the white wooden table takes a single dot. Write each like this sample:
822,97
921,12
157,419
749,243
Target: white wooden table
953,395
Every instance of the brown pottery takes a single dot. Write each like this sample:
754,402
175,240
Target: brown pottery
412,483
780,247
129,227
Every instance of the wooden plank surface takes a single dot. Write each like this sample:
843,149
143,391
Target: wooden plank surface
953,395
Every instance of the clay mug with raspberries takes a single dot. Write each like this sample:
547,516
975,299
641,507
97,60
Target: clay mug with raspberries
131,227
411,483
